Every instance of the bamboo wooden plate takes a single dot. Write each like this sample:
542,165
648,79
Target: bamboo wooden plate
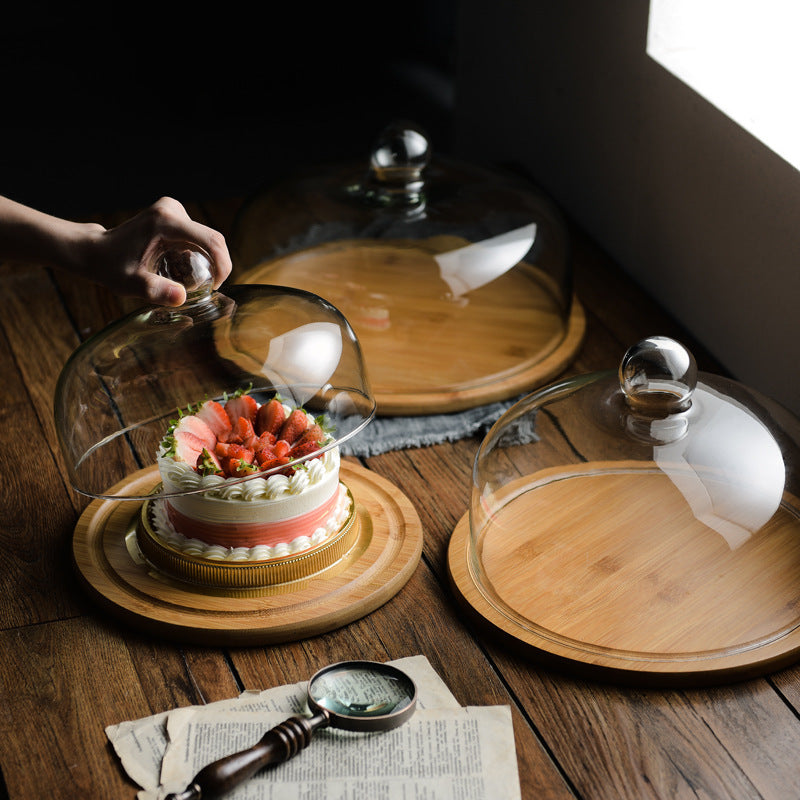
380,563
425,353
610,574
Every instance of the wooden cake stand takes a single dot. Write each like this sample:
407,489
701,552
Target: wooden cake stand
613,576
379,564
426,350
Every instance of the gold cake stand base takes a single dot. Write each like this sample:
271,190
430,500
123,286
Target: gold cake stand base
243,575
383,557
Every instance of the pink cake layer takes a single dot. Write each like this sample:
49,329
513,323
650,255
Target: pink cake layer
253,534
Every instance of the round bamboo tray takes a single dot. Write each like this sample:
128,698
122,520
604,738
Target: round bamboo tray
609,573
380,561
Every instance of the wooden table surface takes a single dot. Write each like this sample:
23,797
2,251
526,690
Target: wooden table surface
68,670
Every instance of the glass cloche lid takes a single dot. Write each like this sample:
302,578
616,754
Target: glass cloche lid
456,278
645,520
123,388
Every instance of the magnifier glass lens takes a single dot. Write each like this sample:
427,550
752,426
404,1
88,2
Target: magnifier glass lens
362,691
352,695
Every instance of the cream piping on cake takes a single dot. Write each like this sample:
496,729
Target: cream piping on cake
164,531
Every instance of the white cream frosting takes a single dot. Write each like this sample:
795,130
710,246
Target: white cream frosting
194,547
270,499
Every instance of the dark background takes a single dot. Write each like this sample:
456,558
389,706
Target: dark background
106,108
110,107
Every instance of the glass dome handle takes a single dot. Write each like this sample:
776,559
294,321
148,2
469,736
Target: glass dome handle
396,166
188,265
658,376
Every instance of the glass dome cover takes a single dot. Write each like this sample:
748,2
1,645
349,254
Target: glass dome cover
644,519
121,389
457,278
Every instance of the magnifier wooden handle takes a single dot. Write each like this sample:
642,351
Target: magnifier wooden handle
277,745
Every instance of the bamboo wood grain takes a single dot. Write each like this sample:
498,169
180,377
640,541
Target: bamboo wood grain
425,353
583,569
386,554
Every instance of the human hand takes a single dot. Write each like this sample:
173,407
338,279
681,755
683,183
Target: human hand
122,258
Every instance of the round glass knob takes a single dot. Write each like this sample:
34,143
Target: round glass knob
396,164
401,146
188,265
658,376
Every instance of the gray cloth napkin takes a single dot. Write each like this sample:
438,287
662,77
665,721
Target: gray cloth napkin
397,433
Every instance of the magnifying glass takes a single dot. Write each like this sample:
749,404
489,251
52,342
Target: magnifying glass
352,695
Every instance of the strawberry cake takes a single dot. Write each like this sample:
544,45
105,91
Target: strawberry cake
234,490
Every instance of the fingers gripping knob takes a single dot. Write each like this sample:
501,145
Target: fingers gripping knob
188,265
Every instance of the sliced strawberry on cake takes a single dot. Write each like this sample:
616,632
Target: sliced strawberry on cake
242,405
238,467
302,449
294,427
243,432
190,437
282,448
313,433
214,440
270,417
227,473
195,426
215,416
264,441
268,463
233,450
208,464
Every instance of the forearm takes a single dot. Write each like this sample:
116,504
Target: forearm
119,258
31,236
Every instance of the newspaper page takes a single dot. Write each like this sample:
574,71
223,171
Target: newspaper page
454,754
141,744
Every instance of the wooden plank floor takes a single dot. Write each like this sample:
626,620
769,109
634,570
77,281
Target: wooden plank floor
68,670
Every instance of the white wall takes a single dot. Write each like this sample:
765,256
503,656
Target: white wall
700,213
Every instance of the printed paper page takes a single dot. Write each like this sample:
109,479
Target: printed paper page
460,754
141,744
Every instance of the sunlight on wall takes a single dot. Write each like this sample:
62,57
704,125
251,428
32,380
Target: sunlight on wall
740,55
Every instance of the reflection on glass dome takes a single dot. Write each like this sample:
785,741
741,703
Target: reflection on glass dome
642,512
467,268
122,389
301,362
414,250
729,469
